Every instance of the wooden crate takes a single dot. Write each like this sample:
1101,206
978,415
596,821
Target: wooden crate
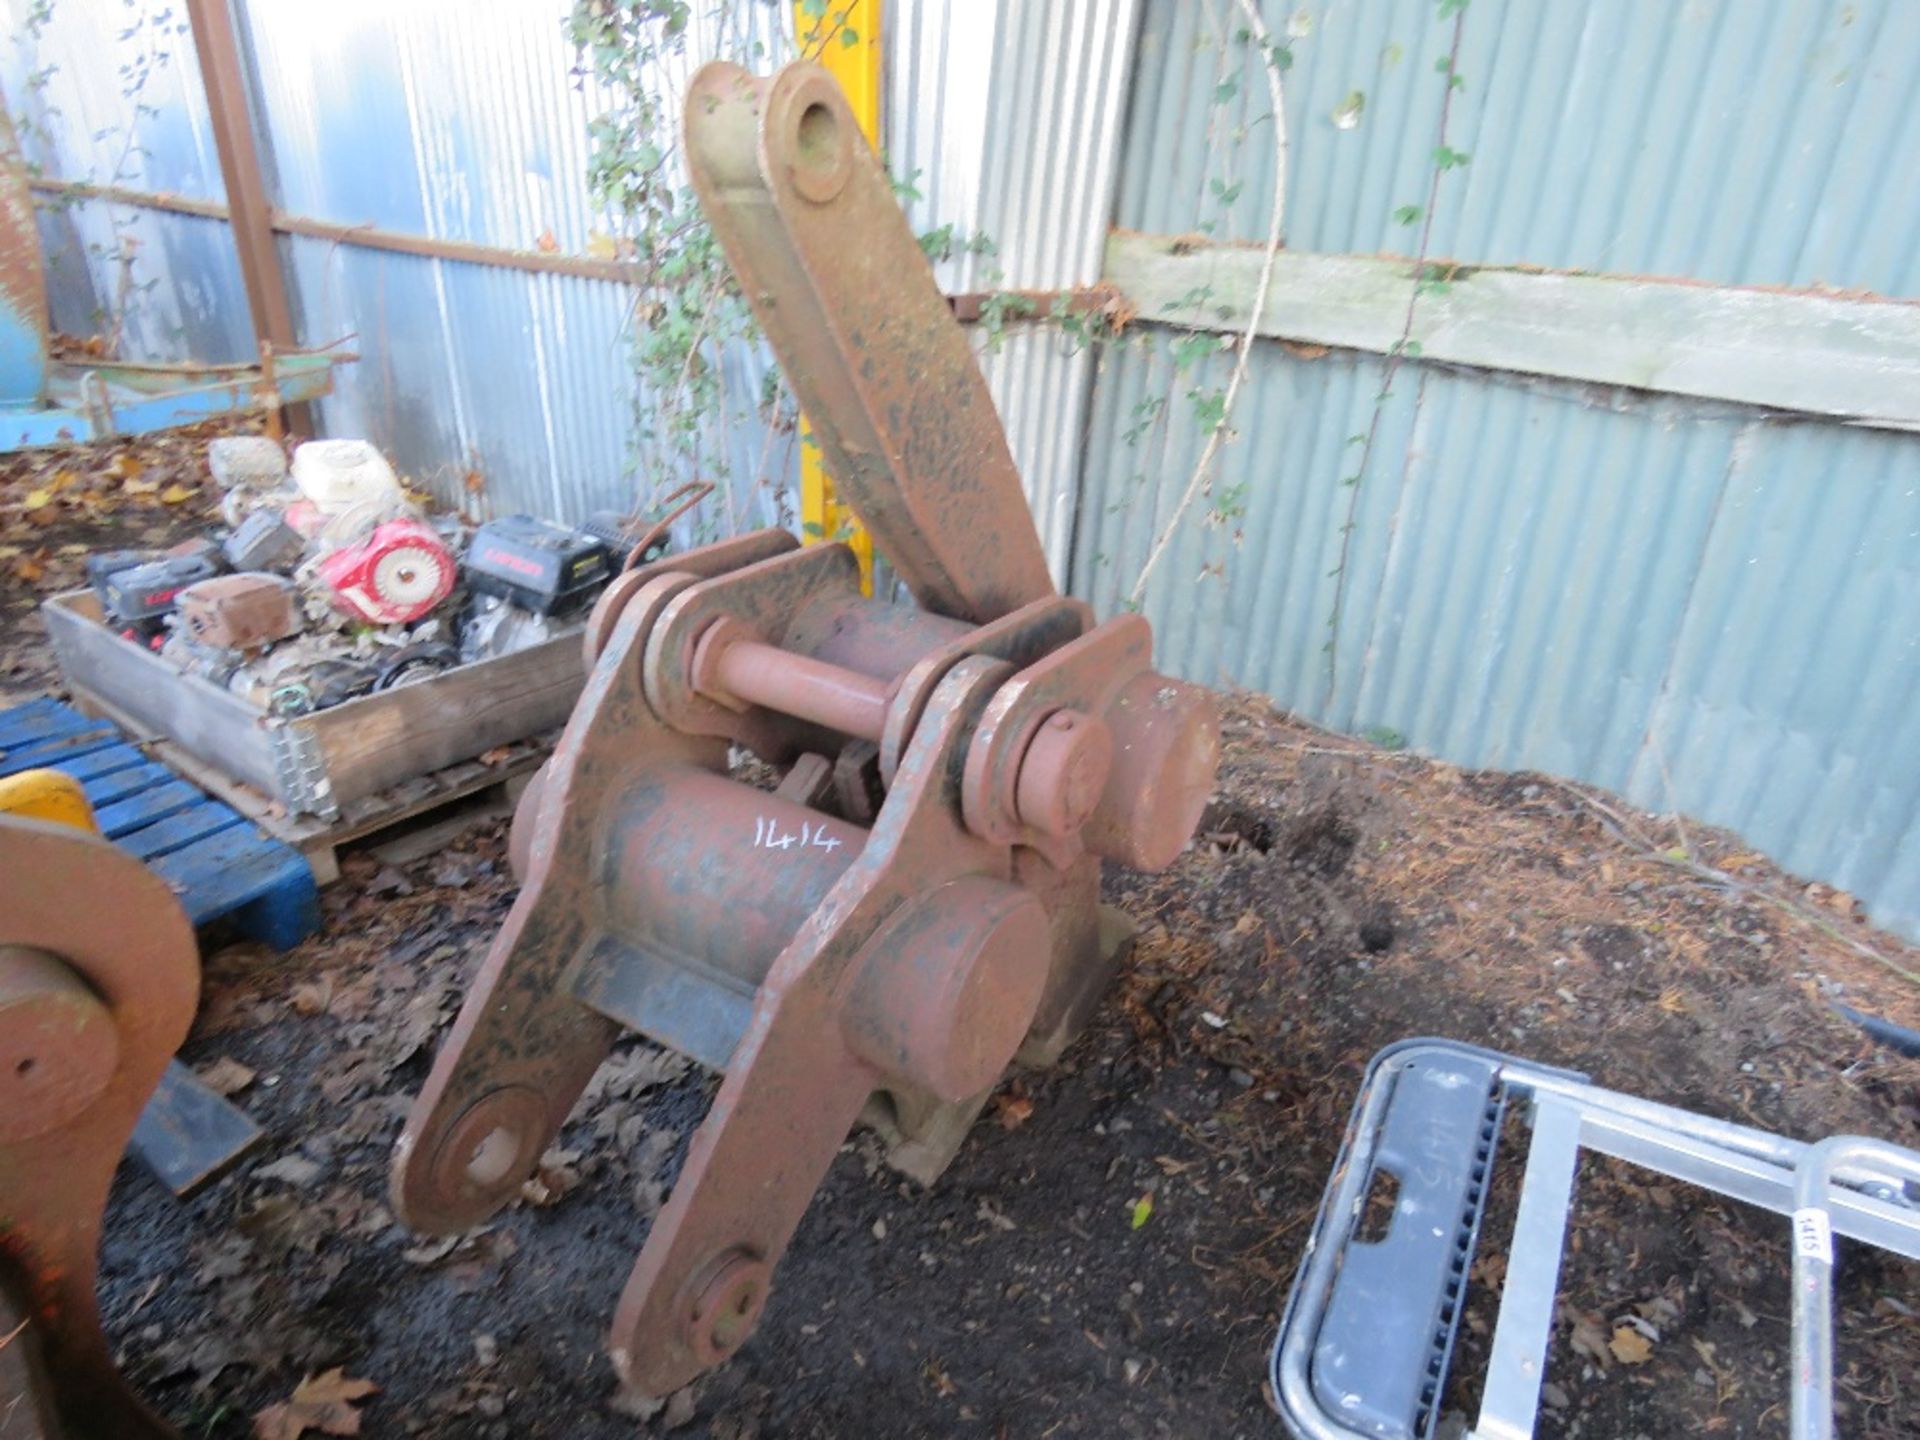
337,764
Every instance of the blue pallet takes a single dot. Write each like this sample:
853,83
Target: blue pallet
218,862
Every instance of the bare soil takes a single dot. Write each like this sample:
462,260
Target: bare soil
1110,1253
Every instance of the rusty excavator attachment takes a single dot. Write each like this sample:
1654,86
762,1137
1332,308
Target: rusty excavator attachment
915,906
99,976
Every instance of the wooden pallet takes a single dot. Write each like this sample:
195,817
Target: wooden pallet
218,863
454,795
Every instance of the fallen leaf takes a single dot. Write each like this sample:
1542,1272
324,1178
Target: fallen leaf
226,1076
311,998
1629,1346
992,1215
295,1170
38,499
1142,1210
1012,1110
554,1177
323,1402
176,494
123,466
1589,1337
431,1253
28,570
140,487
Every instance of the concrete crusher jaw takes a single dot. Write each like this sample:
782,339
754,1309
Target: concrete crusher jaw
916,905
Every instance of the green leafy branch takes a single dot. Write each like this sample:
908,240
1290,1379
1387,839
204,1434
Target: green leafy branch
1215,410
1427,280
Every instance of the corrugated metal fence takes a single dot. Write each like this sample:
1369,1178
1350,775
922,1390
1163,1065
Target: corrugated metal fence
463,120
1704,607
1700,604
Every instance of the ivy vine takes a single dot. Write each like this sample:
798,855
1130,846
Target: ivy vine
1427,280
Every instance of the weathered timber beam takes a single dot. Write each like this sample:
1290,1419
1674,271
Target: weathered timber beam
1846,356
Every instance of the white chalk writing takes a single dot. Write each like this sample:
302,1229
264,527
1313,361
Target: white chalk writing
768,835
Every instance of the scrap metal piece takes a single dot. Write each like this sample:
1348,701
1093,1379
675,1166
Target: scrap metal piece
94,999
239,612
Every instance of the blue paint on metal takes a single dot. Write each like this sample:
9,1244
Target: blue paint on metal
218,862
97,403
23,357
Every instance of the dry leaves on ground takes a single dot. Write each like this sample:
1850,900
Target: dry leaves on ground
325,1402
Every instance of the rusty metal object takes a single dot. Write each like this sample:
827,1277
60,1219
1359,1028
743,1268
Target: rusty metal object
94,999
915,905
239,612
847,299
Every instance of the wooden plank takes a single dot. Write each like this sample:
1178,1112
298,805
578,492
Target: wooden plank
225,871
38,720
180,830
1846,357
368,745
51,752
378,741
119,784
93,764
145,808
149,697
188,1134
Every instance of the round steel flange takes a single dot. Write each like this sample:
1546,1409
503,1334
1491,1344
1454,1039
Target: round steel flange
726,1304
96,938
485,1154
607,610
58,1044
809,133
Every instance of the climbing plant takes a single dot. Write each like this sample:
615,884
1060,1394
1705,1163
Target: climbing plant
688,317
1426,280
689,325
146,37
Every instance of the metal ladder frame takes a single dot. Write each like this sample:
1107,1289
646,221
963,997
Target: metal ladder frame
1847,1185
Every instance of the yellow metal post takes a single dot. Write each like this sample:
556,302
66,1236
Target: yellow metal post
844,36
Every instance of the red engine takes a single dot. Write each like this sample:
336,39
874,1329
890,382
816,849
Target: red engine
393,577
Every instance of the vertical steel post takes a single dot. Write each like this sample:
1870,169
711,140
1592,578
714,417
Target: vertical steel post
249,209
856,65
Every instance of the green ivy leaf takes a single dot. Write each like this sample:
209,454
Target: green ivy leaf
1447,158
1225,91
1407,214
1142,1210
849,37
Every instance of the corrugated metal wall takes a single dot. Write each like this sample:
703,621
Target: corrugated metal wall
461,119
1008,116
1701,606
1705,608
181,296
